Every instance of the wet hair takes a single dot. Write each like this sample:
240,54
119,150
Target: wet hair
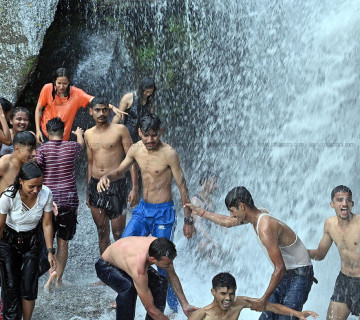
55,127
146,83
15,110
150,122
28,171
339,188
25,138
61,72
6,104
224,279
237,195
162,247
206,175
99,100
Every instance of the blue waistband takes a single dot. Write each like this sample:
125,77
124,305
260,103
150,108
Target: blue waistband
156,205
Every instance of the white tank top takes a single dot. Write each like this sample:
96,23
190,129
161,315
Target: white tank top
294,255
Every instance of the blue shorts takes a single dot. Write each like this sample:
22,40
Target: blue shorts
157,219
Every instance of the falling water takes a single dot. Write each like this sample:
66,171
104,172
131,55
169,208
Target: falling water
266,94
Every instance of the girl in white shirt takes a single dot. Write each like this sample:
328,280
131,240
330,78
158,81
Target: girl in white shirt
25,208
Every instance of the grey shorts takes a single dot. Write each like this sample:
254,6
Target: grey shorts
347,290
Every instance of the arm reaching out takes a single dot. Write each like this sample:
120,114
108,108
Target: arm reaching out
324,245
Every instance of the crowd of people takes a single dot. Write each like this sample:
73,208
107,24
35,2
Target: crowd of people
39,202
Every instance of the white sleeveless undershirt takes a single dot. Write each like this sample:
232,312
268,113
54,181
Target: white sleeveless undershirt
294,255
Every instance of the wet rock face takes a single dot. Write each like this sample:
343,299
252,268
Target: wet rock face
22,30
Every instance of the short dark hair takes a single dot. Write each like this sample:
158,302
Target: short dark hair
55,126
6,104
99,100
25,138
162,247
237,195
150,122
15,110
339,188
224,279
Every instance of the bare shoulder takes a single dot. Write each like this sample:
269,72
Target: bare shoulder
120,128
89,132
5,162
169,152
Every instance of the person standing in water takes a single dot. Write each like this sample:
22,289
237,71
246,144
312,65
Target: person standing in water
57,160
107,144
135,105
228,307
60,99
344,230
293,274
25,210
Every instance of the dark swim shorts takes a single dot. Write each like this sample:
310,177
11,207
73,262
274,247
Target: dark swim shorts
65,223
113,200
347,290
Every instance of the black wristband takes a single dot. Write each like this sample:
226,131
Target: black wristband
189,220
52,250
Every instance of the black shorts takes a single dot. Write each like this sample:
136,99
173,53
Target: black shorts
347,290
113,200
65,223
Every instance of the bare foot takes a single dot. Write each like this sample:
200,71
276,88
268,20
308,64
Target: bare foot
60,284
49,285
98,283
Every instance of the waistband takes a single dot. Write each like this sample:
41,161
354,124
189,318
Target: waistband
349,277
305,271
156,205
23,233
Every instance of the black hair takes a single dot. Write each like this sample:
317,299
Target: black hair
146,83
224,279
206,175
150,122
339,188
25,138
15,110
61,72
55,126
28,171
99,100
162,247
237,195
6,104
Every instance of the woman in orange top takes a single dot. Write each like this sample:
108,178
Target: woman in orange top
59,99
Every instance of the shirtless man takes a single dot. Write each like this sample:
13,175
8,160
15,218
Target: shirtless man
159,163
292,278
344,230
106,145
228,307
24,150
125,266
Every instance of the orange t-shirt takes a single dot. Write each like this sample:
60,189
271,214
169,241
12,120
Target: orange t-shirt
64,108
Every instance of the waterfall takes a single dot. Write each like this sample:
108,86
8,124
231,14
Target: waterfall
263,92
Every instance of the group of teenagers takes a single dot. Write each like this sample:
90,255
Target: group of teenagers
39,202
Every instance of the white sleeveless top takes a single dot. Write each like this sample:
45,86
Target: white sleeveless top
294,255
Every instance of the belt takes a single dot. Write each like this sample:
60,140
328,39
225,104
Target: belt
306,271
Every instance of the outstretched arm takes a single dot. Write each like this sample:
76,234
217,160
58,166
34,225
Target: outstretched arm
123,106
324,245
220,219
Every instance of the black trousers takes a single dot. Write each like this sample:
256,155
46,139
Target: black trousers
123,284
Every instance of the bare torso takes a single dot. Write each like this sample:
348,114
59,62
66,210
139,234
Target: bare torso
129,254
347,239
106,147
156,172
213,312
9,168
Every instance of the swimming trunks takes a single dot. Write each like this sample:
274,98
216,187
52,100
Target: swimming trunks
113,200
347,290
65,223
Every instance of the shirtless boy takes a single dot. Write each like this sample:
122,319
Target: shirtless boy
159,163
125,266
344,230
107,143
228,307
24,150
292,277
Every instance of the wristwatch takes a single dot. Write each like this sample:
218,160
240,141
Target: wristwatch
52,250
189,220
